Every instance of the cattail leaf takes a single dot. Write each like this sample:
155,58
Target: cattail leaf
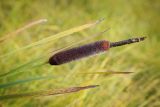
24,65
9,84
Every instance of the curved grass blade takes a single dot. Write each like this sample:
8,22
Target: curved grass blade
54,37
24,81
47,93
40,21
107,73
25,65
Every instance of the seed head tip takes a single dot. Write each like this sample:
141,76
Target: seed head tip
142,38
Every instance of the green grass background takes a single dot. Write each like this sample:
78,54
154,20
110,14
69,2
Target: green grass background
126,18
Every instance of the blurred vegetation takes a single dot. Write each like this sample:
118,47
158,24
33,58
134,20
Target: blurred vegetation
126,18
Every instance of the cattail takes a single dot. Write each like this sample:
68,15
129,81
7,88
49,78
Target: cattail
88,50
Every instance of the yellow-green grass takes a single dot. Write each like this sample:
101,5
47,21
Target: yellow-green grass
125,18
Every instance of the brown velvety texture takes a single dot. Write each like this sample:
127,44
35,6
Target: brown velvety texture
79,52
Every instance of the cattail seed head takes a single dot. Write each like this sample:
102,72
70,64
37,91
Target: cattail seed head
79,52
88,50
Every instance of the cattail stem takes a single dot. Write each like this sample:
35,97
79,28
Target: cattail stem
125,42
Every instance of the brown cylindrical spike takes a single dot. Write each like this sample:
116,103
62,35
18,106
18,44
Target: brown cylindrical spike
79,52
88,50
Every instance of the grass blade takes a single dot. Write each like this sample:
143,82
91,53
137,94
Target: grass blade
54,37
107,73
14,70
40,21
47,93
24,81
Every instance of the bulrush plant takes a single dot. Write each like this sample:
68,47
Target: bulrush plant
60,56
34,31
28,64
